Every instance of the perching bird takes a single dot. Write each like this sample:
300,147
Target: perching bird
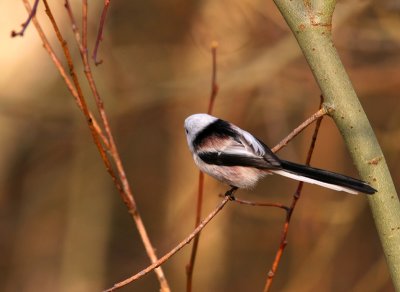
239,159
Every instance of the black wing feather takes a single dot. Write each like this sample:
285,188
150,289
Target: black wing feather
227,159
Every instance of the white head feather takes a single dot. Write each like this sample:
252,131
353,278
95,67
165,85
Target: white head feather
195,124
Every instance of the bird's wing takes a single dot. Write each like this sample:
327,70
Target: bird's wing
243,150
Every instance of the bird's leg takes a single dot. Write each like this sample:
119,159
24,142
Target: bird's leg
230,192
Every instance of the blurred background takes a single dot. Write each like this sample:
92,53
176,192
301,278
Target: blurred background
63,225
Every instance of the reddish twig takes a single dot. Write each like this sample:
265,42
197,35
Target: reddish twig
167,256
192,260
83,46
75,29
31,15
213,95
100,32
62,71
122,184
214,84
289,213
261,204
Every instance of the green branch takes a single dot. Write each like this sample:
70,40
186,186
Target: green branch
311,23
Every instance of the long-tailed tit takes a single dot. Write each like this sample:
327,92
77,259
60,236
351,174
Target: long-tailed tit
239,159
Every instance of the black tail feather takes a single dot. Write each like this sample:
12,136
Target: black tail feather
328,177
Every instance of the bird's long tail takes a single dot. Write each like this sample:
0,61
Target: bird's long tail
323,178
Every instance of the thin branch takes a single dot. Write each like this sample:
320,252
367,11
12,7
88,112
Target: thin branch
62,72
75,29
213,95
122,184
289,213
167,256
31,15
261,204
321,112
84,27
100,32
192,260
53,56
214,84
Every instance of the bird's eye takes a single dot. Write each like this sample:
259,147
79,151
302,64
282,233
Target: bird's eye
186,130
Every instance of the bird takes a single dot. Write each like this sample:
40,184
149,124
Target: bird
236,157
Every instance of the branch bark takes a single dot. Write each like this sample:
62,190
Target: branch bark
311,24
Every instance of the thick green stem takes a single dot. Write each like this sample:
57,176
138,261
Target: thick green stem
310,21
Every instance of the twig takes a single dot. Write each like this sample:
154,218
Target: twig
75,29
321,112
167,256
122,184
213,95
83,47
289,213
214,84
62,72
261,204
100,32
31,15
199,204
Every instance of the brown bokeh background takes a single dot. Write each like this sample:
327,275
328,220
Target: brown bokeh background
63,225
